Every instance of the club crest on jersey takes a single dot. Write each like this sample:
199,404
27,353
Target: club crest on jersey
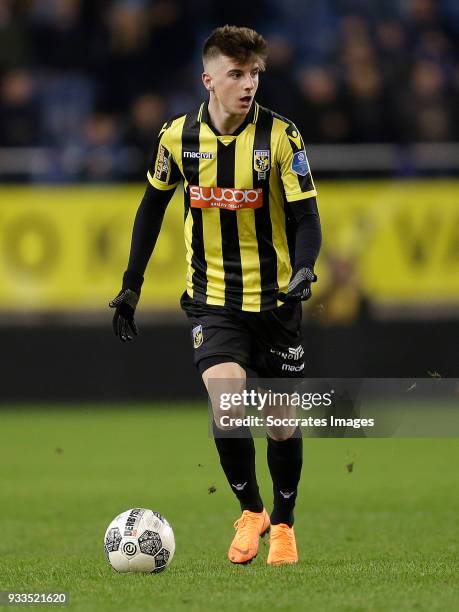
261,162
300,163
198,337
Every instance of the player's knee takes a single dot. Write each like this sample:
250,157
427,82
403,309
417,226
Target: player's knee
227,417
228,422
280,421
281,433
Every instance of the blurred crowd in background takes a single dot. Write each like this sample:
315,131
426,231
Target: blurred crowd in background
92,81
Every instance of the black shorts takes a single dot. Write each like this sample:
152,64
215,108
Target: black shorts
268,342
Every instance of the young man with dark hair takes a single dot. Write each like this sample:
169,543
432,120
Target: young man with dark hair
252,234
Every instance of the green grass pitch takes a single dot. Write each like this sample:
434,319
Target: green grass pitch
383,536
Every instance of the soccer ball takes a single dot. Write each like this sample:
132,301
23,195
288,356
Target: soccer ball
139,540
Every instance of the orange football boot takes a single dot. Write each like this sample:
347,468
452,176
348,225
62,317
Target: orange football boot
249,528
282,545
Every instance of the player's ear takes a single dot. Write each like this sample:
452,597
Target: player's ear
207,81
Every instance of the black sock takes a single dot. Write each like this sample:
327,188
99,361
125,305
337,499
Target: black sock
285,460
237,458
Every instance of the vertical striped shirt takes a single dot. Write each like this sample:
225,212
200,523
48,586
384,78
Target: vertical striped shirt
238,244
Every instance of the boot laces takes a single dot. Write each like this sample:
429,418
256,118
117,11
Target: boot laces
248,519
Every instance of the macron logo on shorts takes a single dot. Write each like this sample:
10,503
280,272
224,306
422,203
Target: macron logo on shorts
297,352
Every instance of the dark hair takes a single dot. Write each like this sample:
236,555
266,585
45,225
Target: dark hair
237,43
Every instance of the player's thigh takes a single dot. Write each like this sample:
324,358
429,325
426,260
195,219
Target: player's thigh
218,337
280,355
221,351
225,382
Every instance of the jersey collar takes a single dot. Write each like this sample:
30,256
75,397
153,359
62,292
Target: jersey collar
204,117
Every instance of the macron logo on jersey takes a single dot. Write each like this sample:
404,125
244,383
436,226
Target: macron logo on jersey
225,197
198,155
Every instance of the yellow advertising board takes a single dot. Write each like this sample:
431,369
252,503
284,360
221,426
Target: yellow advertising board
403,237
65,248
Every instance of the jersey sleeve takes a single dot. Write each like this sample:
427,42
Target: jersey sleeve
163,172
294,166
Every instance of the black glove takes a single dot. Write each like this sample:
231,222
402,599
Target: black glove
125,304
299,288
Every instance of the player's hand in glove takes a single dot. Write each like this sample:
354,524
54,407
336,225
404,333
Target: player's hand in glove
299,288
125,304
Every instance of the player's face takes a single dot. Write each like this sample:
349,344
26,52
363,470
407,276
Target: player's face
233,84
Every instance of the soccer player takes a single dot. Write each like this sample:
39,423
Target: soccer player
252,235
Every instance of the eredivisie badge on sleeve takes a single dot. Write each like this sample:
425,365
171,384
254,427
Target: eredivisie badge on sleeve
261,162
300,163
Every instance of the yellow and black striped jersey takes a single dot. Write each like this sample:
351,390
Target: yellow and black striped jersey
236,188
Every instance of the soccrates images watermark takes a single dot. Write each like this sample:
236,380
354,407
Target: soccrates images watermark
427,407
